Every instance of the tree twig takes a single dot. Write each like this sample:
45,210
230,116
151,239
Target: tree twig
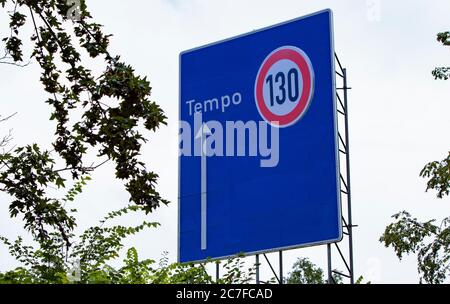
90,168
8,117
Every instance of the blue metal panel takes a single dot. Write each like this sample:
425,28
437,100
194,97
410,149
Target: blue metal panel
252,208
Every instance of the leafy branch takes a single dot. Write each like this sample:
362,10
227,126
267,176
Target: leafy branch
430,242
113,105
438,173
442,72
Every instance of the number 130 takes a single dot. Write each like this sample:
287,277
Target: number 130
281,79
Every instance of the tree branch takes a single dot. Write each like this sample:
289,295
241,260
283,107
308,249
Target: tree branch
8,117
16,64
90,168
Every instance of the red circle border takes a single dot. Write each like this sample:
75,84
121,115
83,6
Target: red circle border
302,61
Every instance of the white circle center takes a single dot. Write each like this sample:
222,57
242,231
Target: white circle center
283,87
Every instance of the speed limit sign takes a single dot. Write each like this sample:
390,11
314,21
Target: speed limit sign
284,86
263,104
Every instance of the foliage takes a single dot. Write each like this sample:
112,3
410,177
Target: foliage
442,72
112,104
50,261
438,173
25,177
235,273
306,272
430,242
88,260
48,265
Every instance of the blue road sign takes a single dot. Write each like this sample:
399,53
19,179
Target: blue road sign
259,166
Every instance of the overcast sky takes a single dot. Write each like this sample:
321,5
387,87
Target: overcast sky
399,115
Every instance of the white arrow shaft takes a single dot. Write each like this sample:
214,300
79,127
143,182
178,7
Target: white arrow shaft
203,192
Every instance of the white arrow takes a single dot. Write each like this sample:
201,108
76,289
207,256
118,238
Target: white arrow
203,132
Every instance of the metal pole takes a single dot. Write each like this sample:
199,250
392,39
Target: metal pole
330,274
217,272
281,267
271,268
257,268
349,196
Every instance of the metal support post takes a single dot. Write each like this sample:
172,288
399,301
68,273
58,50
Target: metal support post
281,267
257,268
